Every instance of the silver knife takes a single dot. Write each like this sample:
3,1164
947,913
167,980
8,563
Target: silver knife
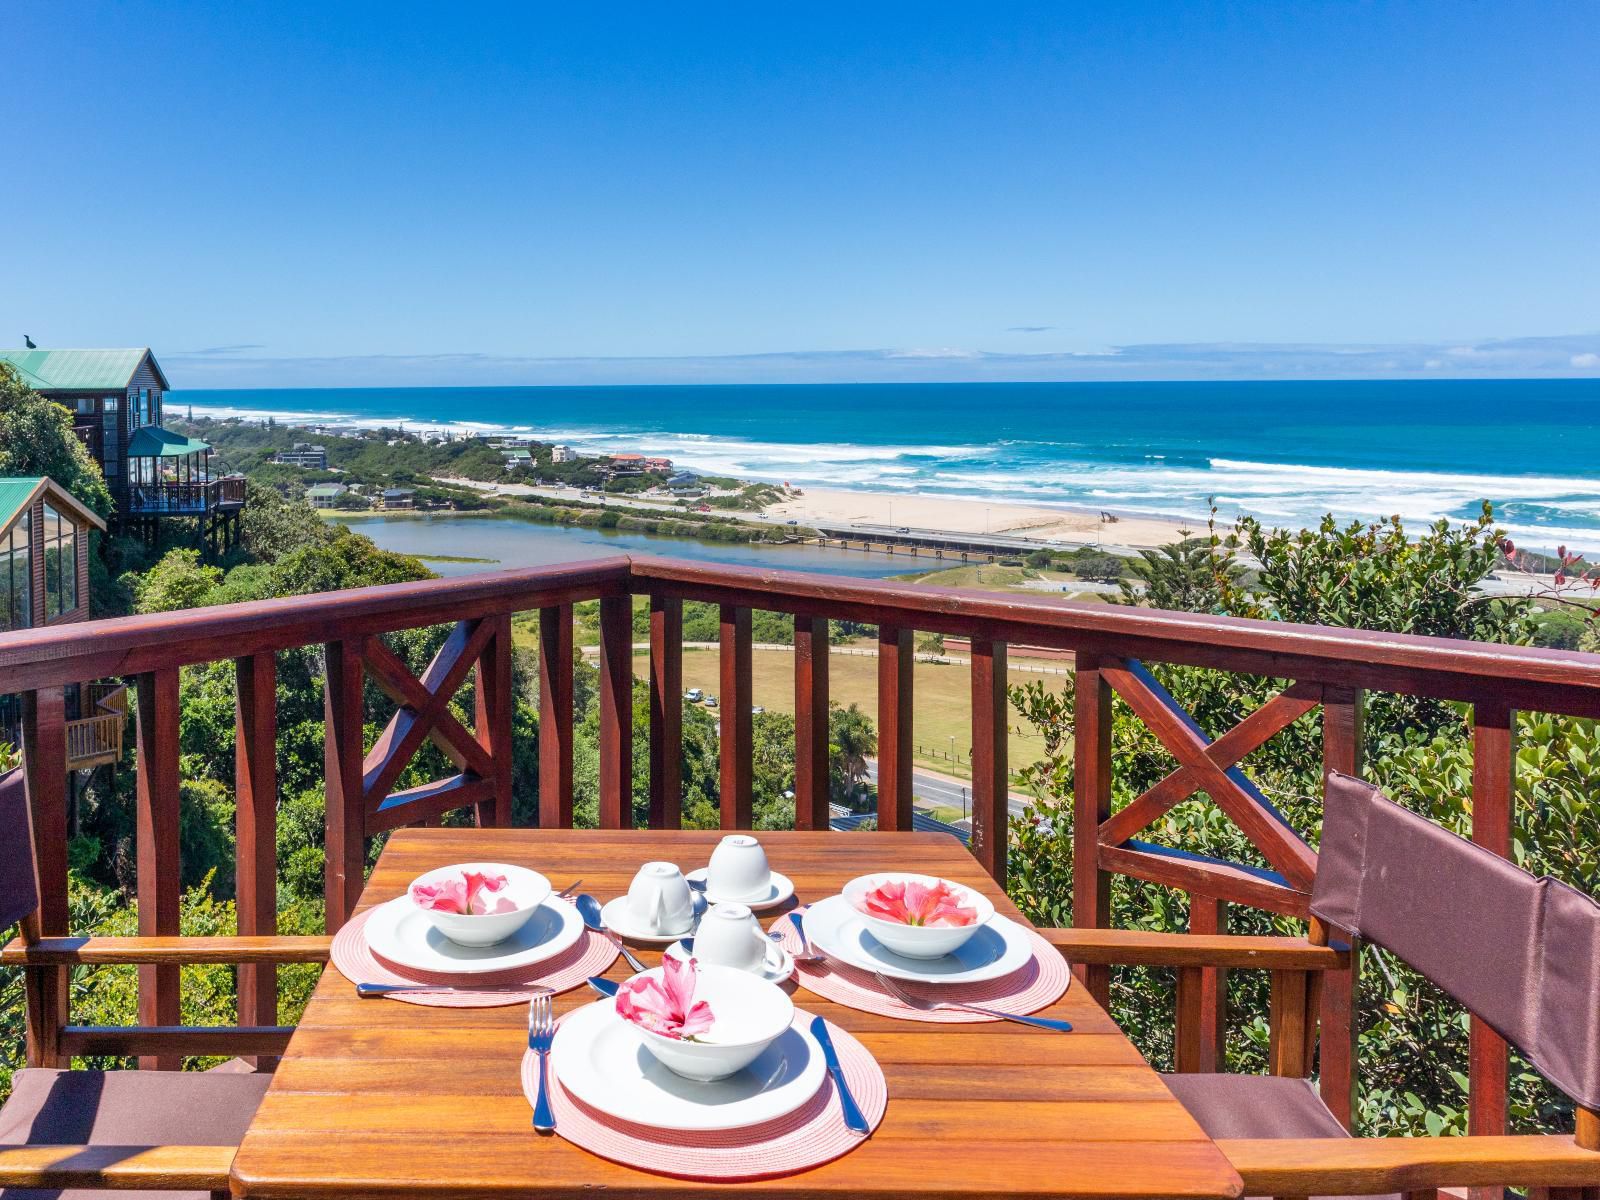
853,1119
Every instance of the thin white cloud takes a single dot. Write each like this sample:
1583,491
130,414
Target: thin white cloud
1549,357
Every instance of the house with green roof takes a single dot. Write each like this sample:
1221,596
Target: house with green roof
44,580
44,554
116,397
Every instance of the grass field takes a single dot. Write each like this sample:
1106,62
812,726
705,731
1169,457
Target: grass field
941,692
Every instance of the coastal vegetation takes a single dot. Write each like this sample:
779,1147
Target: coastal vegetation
1374,577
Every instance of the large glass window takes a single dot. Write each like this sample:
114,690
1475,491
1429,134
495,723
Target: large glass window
60,564
16,590
111,436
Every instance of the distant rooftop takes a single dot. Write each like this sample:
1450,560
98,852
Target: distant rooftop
79,370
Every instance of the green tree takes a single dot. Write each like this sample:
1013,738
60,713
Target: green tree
36,438
1186,576
1354,576
178,580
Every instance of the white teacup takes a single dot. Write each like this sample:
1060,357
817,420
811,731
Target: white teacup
659,899
738,869
730,936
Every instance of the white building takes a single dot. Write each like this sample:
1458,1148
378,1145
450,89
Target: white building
561,454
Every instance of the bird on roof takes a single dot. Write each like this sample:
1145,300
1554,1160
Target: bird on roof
28,342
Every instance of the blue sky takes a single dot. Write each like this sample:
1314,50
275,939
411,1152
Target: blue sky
389,194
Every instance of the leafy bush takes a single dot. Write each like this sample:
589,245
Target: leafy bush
1412,1038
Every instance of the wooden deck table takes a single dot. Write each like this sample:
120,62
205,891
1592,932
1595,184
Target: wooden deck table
378,1098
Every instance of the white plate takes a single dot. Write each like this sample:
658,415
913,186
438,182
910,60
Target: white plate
995,951
618,916
784,970
597,1057
398,932
779,889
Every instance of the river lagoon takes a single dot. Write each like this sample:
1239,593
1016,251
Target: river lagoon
515,543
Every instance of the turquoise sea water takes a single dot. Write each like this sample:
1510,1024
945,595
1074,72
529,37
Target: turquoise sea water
1286,452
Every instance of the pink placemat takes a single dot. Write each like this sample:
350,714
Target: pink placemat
1041,981
590,955
813,1134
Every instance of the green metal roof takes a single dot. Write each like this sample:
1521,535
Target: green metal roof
17,492
79,370
15,495
152,441
326,489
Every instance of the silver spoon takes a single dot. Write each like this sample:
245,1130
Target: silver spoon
589,909
807,953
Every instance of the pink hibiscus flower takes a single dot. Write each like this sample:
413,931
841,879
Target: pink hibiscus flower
471,893
666,1005
908,902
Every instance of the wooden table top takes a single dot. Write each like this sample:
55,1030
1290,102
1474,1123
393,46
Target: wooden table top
378,1098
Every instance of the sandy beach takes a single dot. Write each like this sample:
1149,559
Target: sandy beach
953,514
931,514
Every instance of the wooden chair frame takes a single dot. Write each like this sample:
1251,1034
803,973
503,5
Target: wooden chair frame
52,1042
1564,1166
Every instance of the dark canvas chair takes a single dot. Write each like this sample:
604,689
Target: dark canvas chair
1521,953
70,1133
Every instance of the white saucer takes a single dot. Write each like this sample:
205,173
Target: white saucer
598,1057
618,916
400,933
785,964
996,950
779,889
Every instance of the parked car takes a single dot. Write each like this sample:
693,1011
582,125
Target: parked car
756,710
711,701
693,695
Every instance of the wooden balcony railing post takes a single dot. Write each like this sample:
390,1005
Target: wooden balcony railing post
555,717
616,712
1343,740
738,694
810,722
991,778
666,712
344,749
1494,756
491,725
44,749
895,662
160,883
1207,916
256,825
1091,887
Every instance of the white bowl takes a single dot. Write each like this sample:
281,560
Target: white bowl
526,890
748,1015
917,941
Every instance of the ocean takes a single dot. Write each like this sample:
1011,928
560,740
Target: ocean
1286,452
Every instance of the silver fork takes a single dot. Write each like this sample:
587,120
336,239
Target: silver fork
541,1032
921,1005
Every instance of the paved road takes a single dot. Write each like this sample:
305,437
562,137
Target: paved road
942,790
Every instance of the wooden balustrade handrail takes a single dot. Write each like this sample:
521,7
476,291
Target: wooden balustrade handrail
1523,677
1527,677
58,655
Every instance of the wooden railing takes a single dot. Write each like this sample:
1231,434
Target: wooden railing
1111,647
184,499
